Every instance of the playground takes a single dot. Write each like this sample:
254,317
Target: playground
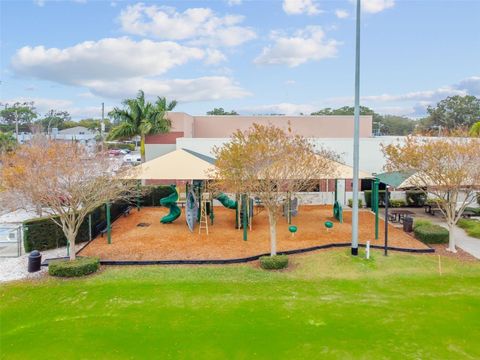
142,237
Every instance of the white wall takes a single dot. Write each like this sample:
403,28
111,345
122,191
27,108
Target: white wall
371,157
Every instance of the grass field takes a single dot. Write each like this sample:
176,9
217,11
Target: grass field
472,227
327,305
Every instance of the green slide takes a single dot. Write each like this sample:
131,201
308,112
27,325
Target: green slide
226,201
171,202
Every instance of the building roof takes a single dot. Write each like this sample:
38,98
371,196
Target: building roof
397,179
76,130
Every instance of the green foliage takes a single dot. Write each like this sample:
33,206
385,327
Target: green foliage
360,203
153,194
56,119
275,262
43,234
7,142
431,234
221,111
475,129
120,146
455,112
21,112
394,203
416,198
421,222
73,268
95,124
472,227
475,210
368,197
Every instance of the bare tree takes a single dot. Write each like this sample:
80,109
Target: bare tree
272,164
64,180
447,167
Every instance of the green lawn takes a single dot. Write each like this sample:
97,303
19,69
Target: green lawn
472,227
328,305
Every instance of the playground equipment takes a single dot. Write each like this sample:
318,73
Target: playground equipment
293,229
337,208
191,210
226,201
328,225
290,208
171,202
205,204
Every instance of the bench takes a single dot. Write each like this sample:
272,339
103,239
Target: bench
101,228
126,212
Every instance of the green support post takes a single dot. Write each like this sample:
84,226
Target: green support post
244,216
375,200
109,227
138,195
336,190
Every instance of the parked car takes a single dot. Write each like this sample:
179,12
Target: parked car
125,151
114,152
132,159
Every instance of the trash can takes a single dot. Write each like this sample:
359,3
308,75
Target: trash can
408,224
34,261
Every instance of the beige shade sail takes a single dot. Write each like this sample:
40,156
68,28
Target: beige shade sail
177,165
185,164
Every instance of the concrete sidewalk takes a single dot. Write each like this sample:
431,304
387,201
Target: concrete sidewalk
466,242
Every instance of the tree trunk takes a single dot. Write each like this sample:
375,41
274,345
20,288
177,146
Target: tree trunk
273,233
71,243
451,238
142,147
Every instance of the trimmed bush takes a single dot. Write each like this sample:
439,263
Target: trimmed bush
274,262
420,222
360,203
78,267
153,194
431,234
472,227
397,203
415,198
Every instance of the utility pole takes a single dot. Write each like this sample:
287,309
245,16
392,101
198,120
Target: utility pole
102,124
356,137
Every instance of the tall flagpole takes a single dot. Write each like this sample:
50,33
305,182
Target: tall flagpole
356,136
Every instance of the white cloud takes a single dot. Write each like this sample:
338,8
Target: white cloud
341,14
234,2
297,7
40,3
200,25
375,6
281,108
184,90
309,44
110,58
214,56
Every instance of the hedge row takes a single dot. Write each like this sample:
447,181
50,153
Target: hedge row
153,194
120,146
78,267
431,234
43,234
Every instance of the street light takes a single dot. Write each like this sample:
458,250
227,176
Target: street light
356,138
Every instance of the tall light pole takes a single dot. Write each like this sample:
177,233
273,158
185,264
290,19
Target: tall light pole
356,137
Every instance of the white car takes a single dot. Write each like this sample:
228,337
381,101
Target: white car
132,159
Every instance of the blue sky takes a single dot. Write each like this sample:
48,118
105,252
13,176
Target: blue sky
287,56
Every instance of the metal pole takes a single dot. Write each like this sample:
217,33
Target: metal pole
109,226
385,248
356,140
376,184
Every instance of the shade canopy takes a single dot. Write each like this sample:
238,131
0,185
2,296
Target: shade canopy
183,164
180,164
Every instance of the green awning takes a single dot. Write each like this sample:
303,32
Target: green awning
394,178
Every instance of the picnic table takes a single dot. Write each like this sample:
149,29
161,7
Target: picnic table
397,215
432,209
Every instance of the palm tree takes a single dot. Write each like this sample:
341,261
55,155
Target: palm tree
141,118
475,129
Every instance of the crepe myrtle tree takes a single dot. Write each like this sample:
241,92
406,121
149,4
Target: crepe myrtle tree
64,179
447,168
270,163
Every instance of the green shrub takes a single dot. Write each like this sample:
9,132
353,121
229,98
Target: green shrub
474,210
420,222
360,203
415,198
78,267
43,234
368,197
153,194
431,234
472,227
274,262
397,203
120,146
